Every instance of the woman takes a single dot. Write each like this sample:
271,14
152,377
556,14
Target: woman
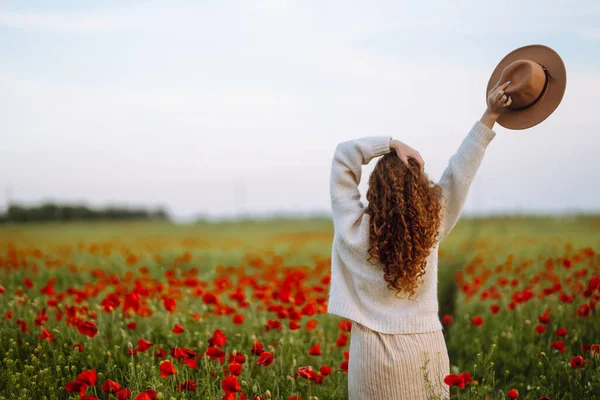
384,258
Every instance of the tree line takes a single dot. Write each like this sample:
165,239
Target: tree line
67,212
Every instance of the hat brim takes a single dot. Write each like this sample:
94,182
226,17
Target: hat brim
553,95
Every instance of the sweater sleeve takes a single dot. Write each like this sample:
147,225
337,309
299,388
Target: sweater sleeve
346,168
460,172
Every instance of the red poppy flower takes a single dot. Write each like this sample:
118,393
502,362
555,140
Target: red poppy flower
238,319
540,329
143,345
577,362
453,380
265,359
230,384
447,319
185,353
190,362
494,308
209,298
560,346
561,332
294,325
312,324
565,298
167,369
131,326
257,348
177,329
48,290
238,358
235,368
46,335
110,387
342,340
458,380
41,319
215,353
315,350
325,370
308,310
218,339
308,373
169,304
160,353
544,319
78,347
477,321
88,377
189,386
345,326
148,394
123,394
76,387
132,301
272,324
22,324
344,364
513,393
585,309
466,377
87,328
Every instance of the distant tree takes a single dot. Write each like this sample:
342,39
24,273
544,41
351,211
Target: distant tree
78,212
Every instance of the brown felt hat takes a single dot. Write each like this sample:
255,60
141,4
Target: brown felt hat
538,79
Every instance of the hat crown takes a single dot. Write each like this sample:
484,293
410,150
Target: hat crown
527,82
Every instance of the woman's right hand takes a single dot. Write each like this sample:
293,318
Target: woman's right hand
405,152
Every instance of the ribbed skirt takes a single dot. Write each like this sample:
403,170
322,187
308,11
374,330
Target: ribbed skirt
397,367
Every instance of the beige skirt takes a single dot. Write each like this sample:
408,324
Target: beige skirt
397,367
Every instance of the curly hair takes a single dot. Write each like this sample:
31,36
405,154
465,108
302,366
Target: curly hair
405,216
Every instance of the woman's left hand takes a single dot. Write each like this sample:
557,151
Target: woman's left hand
497,102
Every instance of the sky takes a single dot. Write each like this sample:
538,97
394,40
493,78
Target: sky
227,108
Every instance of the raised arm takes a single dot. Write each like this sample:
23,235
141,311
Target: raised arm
463,165
346,169
460,172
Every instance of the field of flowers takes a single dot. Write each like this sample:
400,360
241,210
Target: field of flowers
238,311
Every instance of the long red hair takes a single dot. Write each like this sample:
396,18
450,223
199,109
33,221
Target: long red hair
405,216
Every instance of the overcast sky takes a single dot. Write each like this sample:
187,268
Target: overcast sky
222,107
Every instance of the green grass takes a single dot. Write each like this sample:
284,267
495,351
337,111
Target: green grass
73,254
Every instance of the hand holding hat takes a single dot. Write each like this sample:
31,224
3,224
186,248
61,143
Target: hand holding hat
538,80
498,100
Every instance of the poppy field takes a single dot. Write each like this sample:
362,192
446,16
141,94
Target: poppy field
238,310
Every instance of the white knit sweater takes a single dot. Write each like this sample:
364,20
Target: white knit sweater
358,290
